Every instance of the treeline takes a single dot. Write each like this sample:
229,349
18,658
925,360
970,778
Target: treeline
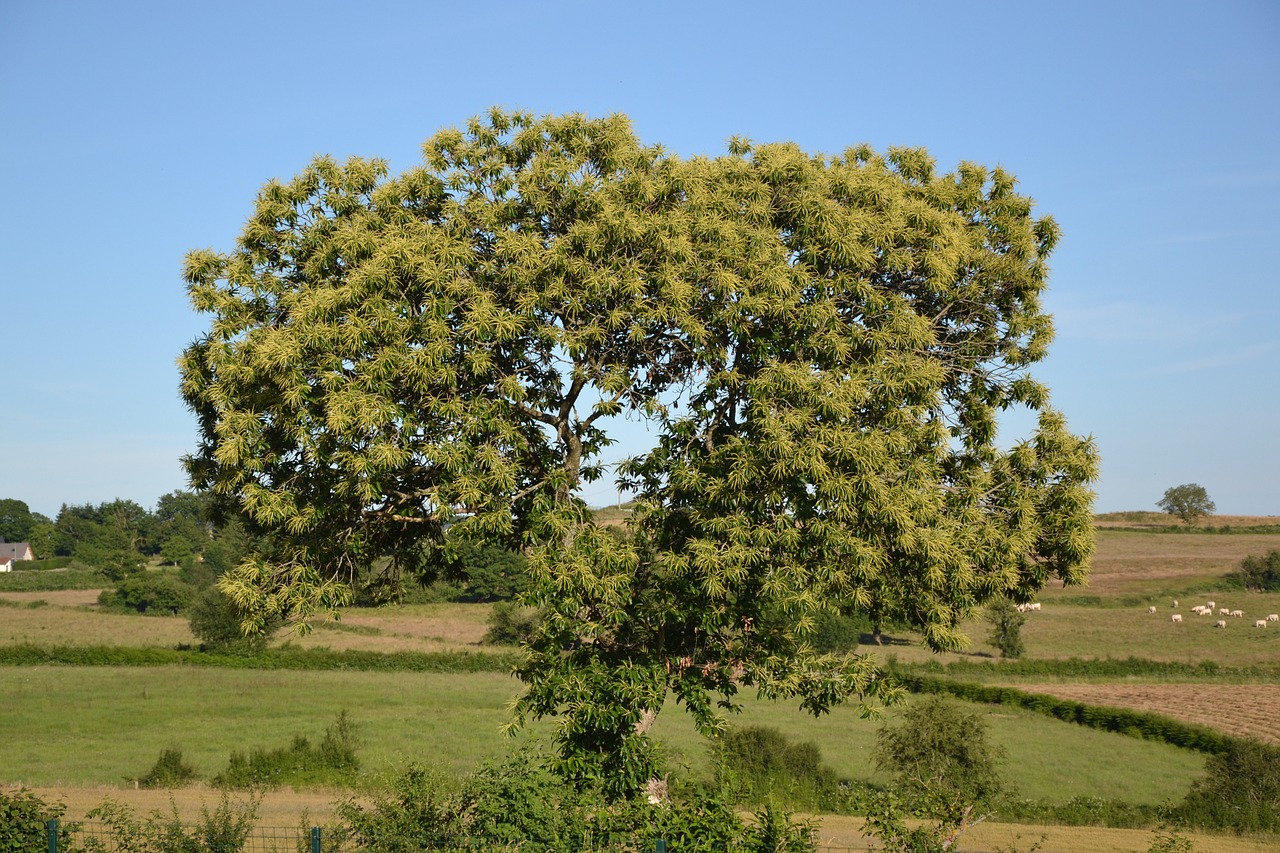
121,537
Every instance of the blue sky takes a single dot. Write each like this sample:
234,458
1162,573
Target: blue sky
134,132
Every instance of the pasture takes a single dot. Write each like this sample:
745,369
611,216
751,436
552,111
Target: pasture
81,733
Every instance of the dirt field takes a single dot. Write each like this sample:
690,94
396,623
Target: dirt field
1247,710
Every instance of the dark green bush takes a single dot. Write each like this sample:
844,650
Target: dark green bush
1240,791
169,771
836,632
215,621
1261,574
764,766
511,624
1006,622
148,592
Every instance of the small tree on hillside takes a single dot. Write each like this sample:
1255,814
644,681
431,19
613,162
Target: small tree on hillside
1188,502
1006,622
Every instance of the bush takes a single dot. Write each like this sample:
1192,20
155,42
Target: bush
215,621
511,624
1006,622
1240,790
148,592
334,761
1259,573
224,830
23,816
517,802
940,757
836,632
169,771
763,766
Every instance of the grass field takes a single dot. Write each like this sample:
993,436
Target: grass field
80,733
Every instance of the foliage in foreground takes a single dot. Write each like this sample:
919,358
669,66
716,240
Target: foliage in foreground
23,816
519,802
226,829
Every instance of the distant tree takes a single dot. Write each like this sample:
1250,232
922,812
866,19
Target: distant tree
1006,622
182,530
1189,502
15,520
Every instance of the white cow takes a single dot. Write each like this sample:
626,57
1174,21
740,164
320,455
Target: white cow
1224,612
1211,604
1237,612
1273,617
1261,623
1177,617
1221,623
1151,609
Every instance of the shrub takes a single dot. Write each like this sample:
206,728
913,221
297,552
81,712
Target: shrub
224,830
511,624
169,771
1006,622
1240,790
836,632
215,621
764,766
1259,573
23,818
517,802
940,757
148,592
334,761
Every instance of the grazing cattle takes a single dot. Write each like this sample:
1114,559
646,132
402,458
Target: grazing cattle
1274,617
1177,617
1221,623
1151,609
1175,604
1237,612
1224,612
1211,604
1261,623
1035,605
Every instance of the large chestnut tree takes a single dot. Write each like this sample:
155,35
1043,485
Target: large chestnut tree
822,347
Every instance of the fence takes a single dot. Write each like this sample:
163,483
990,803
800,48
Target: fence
94,837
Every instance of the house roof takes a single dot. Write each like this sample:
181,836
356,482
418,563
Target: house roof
14,550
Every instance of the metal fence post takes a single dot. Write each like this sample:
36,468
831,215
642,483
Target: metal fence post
51,829
315,839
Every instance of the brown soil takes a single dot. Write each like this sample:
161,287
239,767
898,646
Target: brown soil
1245,710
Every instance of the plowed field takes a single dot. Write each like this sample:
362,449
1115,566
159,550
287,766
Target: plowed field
1247,710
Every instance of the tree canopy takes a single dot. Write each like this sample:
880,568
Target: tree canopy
821,346
1189,502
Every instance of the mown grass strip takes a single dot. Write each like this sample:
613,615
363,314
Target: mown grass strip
30,654
1139,724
